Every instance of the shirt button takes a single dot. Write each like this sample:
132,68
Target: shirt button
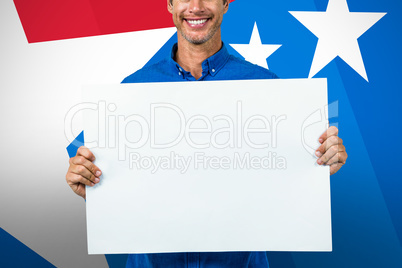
180,70
213,70
179,73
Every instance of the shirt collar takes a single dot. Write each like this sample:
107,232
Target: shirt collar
211,65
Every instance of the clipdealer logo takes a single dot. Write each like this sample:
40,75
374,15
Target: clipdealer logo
238,134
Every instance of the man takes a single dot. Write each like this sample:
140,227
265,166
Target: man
198,55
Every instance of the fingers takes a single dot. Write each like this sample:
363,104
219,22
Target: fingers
327,144
339,157
74,179
82,171
85,152
81,165
331,152
331,131
335,153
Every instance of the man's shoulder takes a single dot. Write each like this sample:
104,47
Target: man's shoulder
248,70
149,73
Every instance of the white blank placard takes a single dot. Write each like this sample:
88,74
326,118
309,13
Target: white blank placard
207,166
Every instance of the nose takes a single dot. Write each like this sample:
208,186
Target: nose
196,6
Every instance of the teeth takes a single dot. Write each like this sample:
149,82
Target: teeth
197,22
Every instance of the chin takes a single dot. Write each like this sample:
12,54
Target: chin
199,40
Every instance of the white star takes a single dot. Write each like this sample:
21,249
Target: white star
256,52
337,30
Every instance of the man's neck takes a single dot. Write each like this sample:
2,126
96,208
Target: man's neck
191,56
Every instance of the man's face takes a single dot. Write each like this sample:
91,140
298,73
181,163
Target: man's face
197,20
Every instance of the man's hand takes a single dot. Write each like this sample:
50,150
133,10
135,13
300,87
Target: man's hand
331,152
82,171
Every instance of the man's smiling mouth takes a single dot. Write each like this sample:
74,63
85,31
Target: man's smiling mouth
196,22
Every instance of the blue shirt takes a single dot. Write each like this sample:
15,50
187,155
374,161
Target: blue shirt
220,66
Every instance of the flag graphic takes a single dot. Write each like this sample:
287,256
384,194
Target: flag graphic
50,48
